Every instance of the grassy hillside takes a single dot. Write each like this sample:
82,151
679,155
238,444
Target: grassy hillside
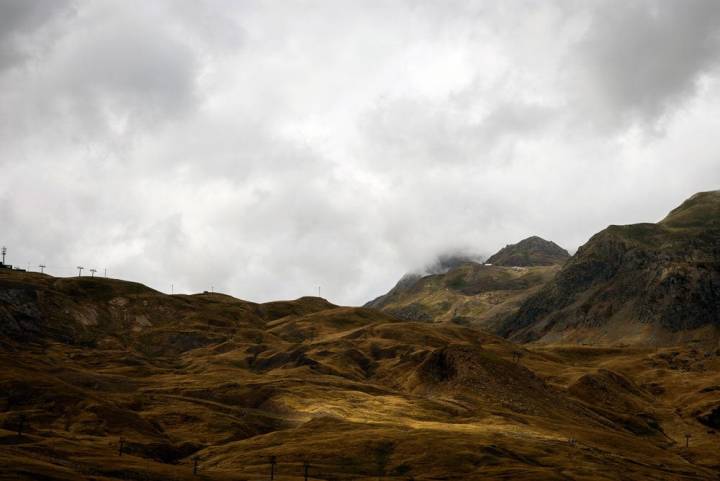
477,294
354,392
470,294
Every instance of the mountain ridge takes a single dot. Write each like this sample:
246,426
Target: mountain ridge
647,282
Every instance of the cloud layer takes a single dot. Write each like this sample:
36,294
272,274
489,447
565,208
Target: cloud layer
267,148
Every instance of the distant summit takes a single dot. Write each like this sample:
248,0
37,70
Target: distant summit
533,251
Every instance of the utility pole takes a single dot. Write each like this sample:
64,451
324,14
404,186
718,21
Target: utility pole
105,275
4,251
172,289
212,289
42,268
80,269
92,272
319,292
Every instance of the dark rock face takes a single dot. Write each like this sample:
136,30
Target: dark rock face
163,452
439,365
413,312
666,274
20,317
532,251
711,418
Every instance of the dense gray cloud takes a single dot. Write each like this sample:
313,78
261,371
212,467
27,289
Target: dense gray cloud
644,58
267,148
20,22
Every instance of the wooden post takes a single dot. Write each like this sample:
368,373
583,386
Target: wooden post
273,462
687,439
121,445
195,464
21,424
306,468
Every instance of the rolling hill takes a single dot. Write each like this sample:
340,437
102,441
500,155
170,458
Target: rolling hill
109,380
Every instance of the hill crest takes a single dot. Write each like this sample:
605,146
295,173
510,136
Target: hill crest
533,251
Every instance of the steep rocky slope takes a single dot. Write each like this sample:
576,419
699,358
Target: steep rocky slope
86,363
473,293
653,284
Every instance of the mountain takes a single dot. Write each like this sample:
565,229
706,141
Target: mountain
106,380
533,251
656,284
472,293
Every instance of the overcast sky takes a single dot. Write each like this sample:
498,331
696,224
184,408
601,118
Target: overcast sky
265,148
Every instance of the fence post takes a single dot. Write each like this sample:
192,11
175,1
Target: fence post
273,462
21,425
